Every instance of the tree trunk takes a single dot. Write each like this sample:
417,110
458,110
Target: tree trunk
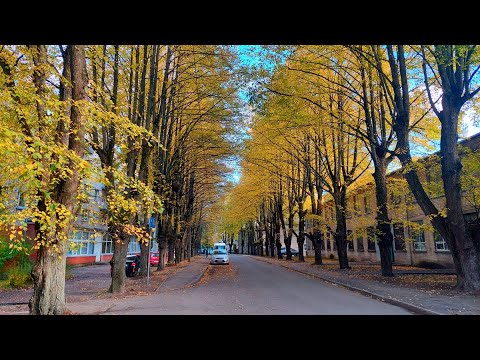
189,242
171,249
288,238
178,250
301,233
401,127
278,244
49,270
317,246
288,244
341,231
49,282
469,278
144,258
267,242
144,249
120,249
162,249
384,233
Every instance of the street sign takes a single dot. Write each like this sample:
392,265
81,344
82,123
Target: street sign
151,222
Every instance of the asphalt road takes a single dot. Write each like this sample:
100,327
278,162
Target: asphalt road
248,286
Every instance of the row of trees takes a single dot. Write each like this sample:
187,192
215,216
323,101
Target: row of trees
329,114
147,121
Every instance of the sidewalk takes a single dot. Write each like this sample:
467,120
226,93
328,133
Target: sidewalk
86,289
189,275
404,290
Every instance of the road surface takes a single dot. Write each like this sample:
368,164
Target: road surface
248,286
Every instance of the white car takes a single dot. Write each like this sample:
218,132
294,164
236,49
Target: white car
220,257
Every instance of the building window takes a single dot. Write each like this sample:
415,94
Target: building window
20,201
419,239
366,204
355,203
84,215
440,243
133,245
84,242
371,239
107,246
96,195
349,240
360,244
399,237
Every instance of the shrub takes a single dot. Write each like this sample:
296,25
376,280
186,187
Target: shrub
20,275
7,254
15,265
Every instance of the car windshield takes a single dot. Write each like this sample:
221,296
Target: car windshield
219,252
155,255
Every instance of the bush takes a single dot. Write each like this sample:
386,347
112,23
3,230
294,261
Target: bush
15,265
20,275
7,254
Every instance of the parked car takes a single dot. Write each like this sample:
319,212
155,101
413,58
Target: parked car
220,256
294,252
154,258
132,265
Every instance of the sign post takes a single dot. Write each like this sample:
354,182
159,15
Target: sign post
151,225
148,263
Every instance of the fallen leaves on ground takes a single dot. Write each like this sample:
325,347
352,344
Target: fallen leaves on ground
431,283
92,282
215,272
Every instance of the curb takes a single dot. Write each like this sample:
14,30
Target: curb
413,308
200,276
13,303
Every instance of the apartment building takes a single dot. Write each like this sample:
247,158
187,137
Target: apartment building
416,242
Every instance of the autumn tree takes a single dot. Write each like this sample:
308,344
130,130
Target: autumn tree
43,124
452,69
118,131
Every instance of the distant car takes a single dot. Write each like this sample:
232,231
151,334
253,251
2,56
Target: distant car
283,251
220,256
132,265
